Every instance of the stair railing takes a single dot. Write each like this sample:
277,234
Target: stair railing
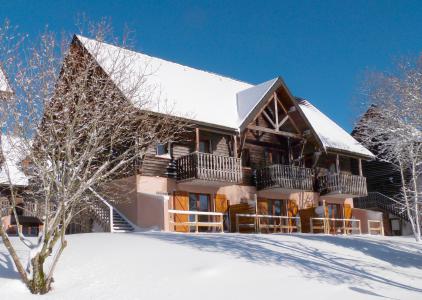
111,210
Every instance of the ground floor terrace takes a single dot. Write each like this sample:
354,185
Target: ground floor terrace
165,204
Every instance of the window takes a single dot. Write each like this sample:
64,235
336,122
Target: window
163,149
246,158
273,156
199,202
205,146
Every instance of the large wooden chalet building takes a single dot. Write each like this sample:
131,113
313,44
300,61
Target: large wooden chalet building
255,150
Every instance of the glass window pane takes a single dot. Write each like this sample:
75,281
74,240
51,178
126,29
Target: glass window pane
277,208
203,202
192,202
162,149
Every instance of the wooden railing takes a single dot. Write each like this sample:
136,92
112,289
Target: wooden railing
379,227
37,209
268,222
5,207
209,167
284,176
331,225
342,184
381,201
196,223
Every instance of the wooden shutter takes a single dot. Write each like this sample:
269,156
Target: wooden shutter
262,206
292,208
221,204
181,202
347,211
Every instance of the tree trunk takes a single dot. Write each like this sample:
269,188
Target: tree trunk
38,283
13,254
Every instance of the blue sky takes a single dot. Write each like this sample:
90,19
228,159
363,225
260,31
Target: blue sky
321,48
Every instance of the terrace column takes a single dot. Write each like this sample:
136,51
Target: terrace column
197,139
360,167
338,164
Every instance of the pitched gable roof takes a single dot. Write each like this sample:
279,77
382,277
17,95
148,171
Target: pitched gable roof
4,84
204,96
214,99
332,136
249,100
10,169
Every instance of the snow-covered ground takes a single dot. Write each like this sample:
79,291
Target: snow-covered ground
155,265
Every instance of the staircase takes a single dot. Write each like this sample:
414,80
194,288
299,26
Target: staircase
110,219
120,224
382,202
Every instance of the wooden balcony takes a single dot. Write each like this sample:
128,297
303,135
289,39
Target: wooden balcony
284,178
342,185
209,169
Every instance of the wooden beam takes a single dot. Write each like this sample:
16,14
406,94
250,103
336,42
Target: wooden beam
287,113
197,139
283,121
261,110
236,154
338,164
276,111
268,130
360,167
264,113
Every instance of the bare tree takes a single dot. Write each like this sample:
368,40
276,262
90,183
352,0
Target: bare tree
392,127
79,126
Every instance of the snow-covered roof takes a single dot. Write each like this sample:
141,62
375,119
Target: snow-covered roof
4,84
332,136
207,97
203,96
247,100
12,157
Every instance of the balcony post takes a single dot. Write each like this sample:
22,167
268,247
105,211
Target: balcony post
337,164
197,139
360,167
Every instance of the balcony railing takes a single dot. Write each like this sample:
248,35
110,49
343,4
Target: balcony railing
284,177
209,167
346,184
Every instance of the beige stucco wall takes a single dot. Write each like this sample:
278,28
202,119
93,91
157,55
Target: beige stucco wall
364,215
145,200
122,194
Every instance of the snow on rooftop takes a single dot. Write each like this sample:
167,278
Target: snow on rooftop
248,99
10,167
331,135
4,85
201,95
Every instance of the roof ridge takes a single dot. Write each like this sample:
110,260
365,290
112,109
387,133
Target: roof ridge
166,60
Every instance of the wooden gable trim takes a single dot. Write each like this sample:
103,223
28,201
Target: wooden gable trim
273,131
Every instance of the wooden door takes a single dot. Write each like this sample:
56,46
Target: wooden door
181,202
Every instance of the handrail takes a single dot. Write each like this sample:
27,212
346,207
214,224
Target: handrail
111,209
258,225
380,228
326,225
343,183
4,207
377,199
218,224
211,167
191,212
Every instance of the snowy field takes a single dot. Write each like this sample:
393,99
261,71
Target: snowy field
157,265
